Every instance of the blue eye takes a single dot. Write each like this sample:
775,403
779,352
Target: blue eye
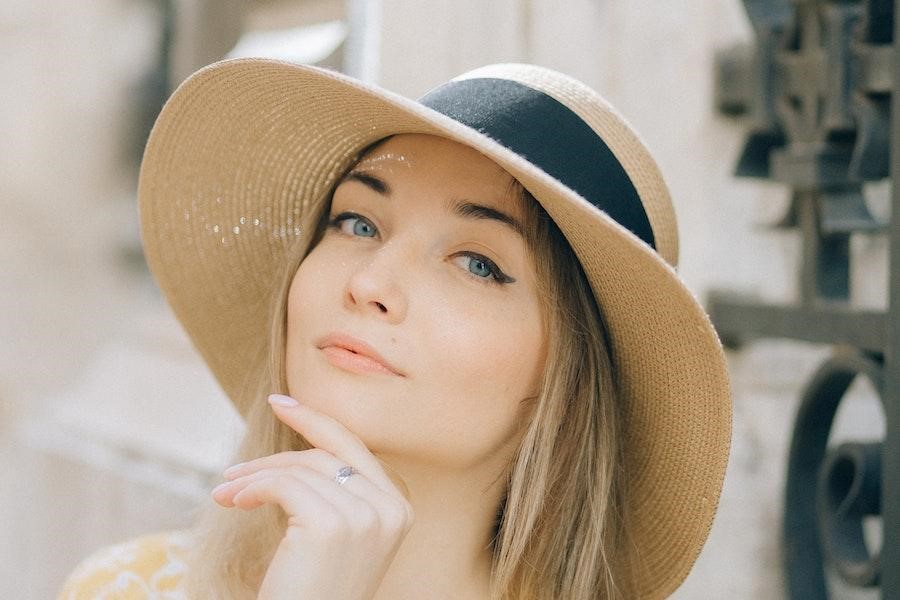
479,267
353,224
363,228
483,268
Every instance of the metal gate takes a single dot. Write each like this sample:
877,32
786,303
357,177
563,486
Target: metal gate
816,89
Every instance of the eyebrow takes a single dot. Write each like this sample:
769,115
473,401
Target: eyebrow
375,183
460,207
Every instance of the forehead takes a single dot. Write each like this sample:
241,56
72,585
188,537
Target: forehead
446,168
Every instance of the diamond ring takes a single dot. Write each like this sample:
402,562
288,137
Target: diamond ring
344,474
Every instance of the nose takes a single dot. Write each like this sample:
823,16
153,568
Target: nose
374,287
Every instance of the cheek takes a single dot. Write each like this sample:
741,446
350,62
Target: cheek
301,300
318,280
311,295
495,353
490,360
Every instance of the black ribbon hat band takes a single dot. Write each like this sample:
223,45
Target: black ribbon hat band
551,136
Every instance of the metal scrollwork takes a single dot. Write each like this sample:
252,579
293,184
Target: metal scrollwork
815,92
830,491
849,491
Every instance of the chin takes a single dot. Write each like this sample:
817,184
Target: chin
351,400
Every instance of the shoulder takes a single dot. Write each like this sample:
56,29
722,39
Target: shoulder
150,566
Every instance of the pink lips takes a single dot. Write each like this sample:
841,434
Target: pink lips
354,355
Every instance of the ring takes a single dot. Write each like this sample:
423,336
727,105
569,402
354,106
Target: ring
344,474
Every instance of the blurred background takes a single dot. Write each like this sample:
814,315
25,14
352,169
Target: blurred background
110,425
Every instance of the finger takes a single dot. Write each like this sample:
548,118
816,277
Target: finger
298,499
361,487
321,460
327,465
306,510
362,502
328,434
361,507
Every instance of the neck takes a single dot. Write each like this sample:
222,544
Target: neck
447,550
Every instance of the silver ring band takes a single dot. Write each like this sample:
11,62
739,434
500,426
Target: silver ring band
344,474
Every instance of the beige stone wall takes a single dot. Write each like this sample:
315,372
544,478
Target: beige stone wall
111,427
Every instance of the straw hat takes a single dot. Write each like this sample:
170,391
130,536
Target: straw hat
244,147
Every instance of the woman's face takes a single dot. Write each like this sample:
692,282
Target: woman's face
424,264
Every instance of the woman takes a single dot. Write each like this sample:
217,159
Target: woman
487,379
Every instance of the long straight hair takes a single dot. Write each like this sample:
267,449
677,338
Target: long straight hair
560,532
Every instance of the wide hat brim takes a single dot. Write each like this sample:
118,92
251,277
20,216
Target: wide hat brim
244,147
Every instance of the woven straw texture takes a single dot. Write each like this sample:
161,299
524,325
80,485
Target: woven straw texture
245,146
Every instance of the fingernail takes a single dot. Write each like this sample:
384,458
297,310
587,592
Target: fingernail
219,488
282,400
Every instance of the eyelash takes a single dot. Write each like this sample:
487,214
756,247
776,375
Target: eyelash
497,277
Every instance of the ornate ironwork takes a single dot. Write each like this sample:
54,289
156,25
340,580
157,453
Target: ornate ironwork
816,90
830,491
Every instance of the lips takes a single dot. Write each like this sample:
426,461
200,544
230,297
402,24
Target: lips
355,355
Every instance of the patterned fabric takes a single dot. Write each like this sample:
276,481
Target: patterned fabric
148,567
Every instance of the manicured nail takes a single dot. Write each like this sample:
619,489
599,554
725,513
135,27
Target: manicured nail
220,488
282,400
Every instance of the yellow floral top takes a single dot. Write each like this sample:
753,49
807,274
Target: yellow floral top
147,567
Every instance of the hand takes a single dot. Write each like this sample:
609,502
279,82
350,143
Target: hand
340,539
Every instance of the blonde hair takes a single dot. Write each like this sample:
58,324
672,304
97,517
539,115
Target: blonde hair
561,530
